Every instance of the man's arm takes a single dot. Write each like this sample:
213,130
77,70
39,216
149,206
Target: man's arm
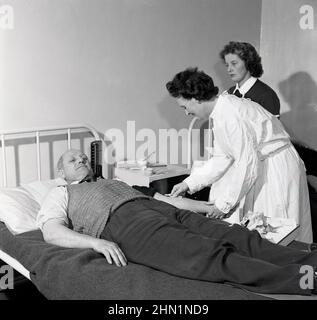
56,232
178,202
203,207
52,220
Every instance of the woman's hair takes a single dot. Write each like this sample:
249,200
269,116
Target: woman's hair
247,53
192,83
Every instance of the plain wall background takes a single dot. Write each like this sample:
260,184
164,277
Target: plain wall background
289,58
105,62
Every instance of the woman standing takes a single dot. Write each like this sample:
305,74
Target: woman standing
244,68
254,167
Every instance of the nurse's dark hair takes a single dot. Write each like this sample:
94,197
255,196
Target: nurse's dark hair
192,83
247,53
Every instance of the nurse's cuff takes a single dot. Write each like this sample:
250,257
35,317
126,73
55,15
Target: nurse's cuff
194,184
223,206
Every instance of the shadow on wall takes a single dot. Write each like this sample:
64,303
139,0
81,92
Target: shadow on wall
300,93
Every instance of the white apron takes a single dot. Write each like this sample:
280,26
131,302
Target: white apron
254,165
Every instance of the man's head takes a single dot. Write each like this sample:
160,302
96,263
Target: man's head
74,165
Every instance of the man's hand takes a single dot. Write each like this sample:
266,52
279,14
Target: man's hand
111,251
56,231
179,189
214,212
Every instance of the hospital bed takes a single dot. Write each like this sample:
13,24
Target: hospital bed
67,273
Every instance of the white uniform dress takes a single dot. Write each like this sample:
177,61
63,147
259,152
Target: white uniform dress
254,166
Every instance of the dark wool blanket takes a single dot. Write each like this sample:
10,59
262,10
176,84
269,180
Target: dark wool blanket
63,273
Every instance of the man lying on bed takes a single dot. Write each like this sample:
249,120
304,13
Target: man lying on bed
124,225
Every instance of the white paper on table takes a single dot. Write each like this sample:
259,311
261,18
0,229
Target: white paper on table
282,228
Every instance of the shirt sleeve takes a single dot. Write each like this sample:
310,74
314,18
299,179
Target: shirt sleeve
213,169
270,102
54,207
209,173
243,149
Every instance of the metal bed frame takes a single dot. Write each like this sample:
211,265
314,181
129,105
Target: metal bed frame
37,133
210,142
58,129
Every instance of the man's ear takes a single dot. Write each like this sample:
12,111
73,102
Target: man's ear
61,173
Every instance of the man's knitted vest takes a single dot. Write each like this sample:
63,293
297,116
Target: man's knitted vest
89,204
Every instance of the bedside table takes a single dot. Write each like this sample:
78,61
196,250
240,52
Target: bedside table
159,177
140,178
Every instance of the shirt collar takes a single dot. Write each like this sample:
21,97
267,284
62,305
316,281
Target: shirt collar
246,86
63,182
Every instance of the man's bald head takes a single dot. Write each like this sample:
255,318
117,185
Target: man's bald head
74,165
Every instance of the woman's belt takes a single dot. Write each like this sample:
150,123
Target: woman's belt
272,148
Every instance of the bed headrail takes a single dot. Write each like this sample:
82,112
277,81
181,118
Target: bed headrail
37,132
210,142
189,143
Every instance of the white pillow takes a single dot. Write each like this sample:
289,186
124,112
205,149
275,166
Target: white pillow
18,209
39,189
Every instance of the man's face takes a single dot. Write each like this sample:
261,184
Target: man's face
76,166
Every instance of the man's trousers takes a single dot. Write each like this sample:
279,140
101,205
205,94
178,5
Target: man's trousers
187,244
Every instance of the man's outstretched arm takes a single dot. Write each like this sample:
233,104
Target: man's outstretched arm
203,207
56,232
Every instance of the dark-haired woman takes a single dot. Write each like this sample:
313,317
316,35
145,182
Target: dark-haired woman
244,68
254,166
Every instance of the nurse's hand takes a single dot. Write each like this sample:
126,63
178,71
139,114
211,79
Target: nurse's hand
215,213
179,189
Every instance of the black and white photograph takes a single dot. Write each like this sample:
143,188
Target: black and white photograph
158,155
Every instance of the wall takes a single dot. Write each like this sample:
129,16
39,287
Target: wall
105,62
289,50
